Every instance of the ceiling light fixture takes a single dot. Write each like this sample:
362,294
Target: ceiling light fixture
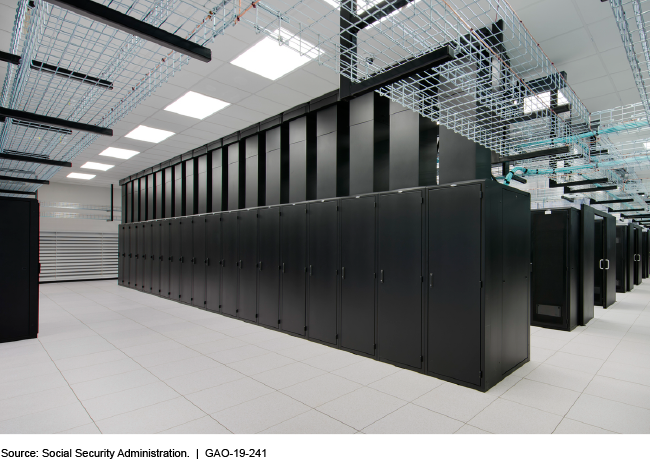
272,60
97,166
81,176
196,105
119,153
151,135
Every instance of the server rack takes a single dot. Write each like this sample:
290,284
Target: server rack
622,259
637,232
605,261
556,268
123,234
19,269
148,257
367,274
140,256
645,258
156,257
131,281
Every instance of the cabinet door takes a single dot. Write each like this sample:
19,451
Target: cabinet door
148,263
176,252
638,250
165,258
132,256
248,265
454,311
142,255
269,267
609,285
124,254
631,242
213,262
199,262
157,258
294,267
187,264
230,262
323,270
400,278
358,274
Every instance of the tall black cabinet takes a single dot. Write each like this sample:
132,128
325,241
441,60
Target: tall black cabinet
293,256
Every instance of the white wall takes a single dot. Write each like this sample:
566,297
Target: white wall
80,194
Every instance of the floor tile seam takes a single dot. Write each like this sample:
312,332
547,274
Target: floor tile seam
365,384
529,407
180,425
323,404
76,396
473,426
136,409
617,401
544,410
286,420
197,391
558,386
422,407
621,380
36,412
451,417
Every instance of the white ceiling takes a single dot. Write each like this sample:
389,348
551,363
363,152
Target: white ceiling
580,37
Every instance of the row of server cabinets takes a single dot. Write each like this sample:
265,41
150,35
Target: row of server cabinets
580,259
632,256
430,279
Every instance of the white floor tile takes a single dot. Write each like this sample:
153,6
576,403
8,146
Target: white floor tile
36,402
321,389
362,407
32,385
49,421
229,394
619,390
183,367
88,429
367,371
573,427
406,385
286,376
561,377
259,364
113,384
333,360
97,371
412,419
167,356
232,355
114,404
640,375
90,360
260,413
310,422
503,386
200,380
504,416
454,401
542,396
610,415
578,363
205,425
470,430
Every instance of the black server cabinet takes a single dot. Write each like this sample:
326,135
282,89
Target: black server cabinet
19,269
358,273
179,190
248,265
274,168
399,293
202,197
148,257
143,199
622,257
644,255
186,260
638,250
586,265
631,256
454,281
151,197
230,263
323,271
213,262
293,247
165,258
159,205
123,234
556,268
198,261
176,252
140,256
269,267
599,260
216,185
157,256
605,261
191,177
132,256
170,193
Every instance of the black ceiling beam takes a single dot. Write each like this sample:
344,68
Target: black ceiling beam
531,155
614,201
567,190
541,113
9,58
11,191
48,128
34,160
53,121
126,23
72,75
519,179
23,180
640,215
555,184
627,210
403,71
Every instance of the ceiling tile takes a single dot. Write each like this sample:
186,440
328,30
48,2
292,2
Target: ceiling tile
550,18
623,80
615,59
240,78
573,45
605,34
281,94
263,105
593,11
210,87
580,70
594,88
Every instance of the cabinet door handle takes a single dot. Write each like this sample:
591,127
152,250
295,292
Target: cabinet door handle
381,276
343,272
600,264
430,279
607,267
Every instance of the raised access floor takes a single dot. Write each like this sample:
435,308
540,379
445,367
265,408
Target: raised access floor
114,360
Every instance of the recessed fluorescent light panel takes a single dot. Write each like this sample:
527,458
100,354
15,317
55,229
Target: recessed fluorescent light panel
97,166
81,176
334,3
119,153
271,60
151,135
196,105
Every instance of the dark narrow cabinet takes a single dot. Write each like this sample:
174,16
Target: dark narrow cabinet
556,268
622,259
122,236
248,265
19,269
141,256
358,274
323,271
269,266
230,263
148,256
213,262
186,260
644,255
165,258
199,262
132,256
399,294
637,232
176,252
156,253
605,261
293,247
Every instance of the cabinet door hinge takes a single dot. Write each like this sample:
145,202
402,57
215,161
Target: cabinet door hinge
375,346
480,374
421,359
480,194
305,328
337,336
422,199
279,321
